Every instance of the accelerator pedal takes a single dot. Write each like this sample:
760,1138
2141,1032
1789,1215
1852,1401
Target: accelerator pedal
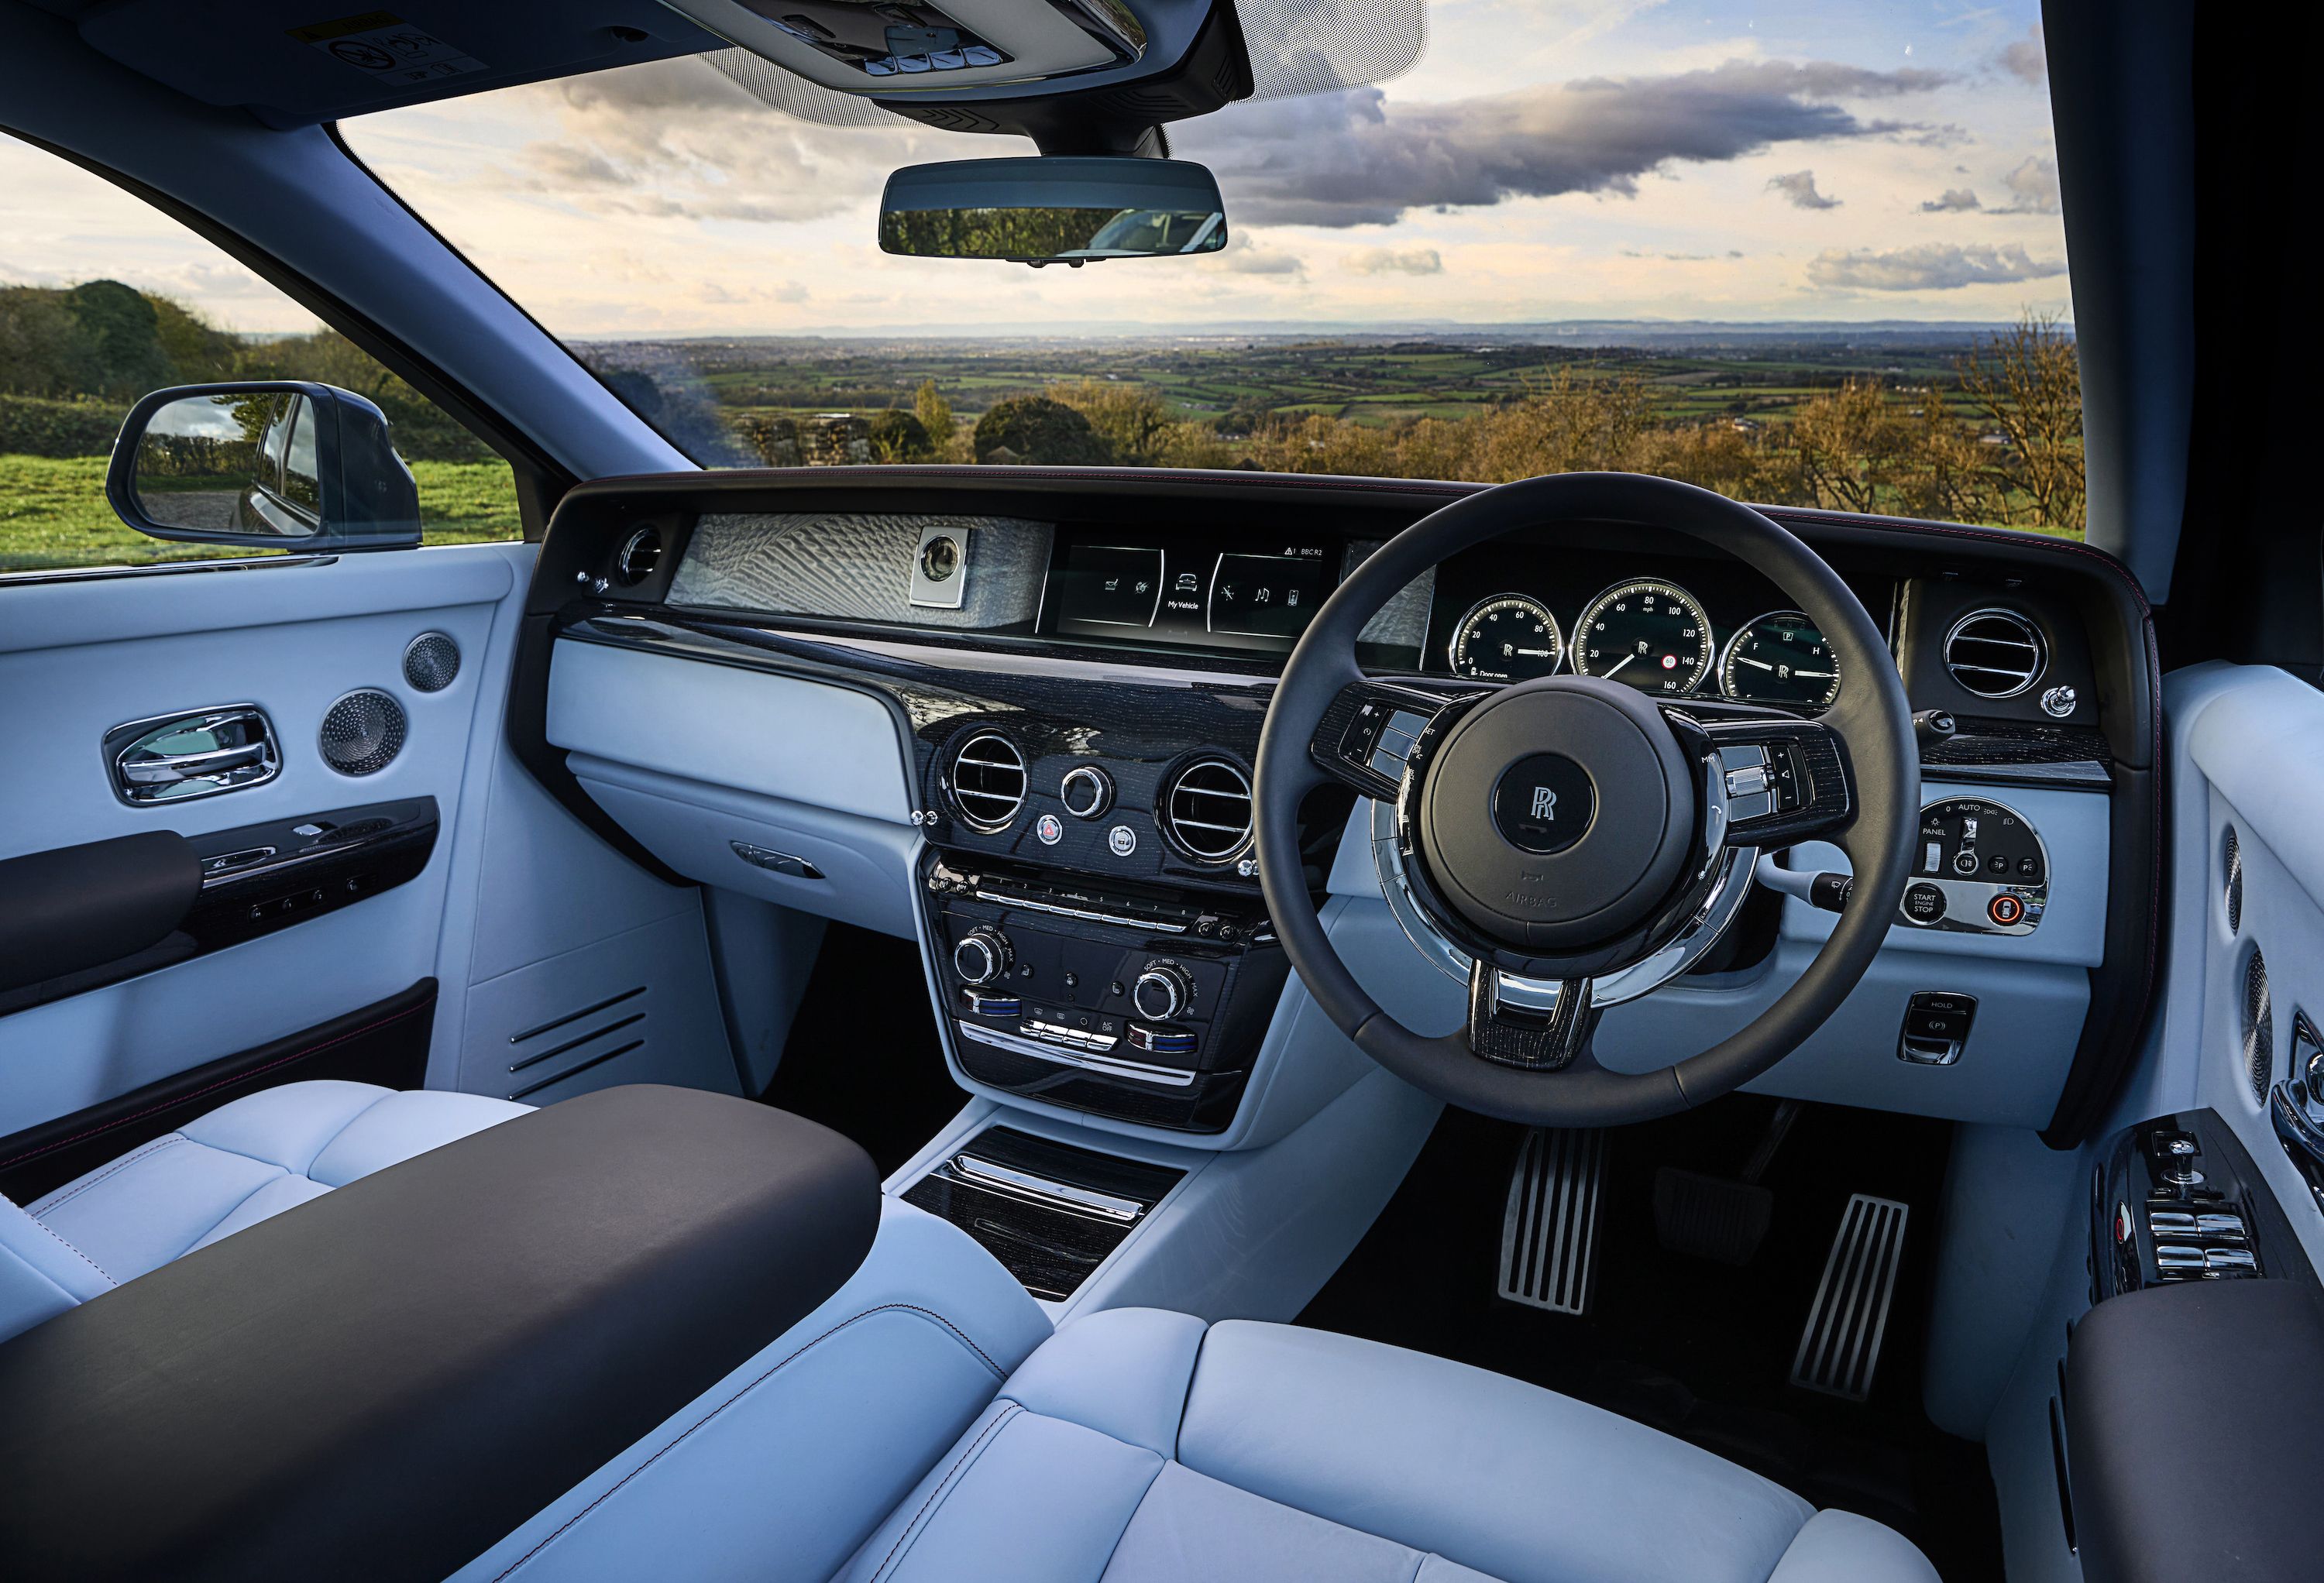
1549,1231
1840,1347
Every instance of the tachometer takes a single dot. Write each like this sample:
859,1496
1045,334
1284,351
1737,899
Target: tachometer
1780,658
1653,636
1507,639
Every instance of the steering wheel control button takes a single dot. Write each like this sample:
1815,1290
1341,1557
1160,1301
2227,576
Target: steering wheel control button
1121,841
1924,903
1544,802
1086,791
2007,910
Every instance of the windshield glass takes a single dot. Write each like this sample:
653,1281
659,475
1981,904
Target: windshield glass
1803,254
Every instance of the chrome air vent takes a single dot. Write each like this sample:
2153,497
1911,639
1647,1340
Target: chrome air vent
2259,1027
641,553
2233,862
988,780
1995,653
1206,810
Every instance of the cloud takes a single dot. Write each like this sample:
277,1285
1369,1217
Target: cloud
1389,260
1799,188
1357,158
1953,201
1933,266
2034,186
1244,254
2028,60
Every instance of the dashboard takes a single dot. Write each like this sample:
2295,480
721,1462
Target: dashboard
1070,672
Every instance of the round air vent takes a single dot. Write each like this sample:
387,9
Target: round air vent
1995,653
431,661
988,780
640,554
2259,1027
1206,810
2232,860
362,732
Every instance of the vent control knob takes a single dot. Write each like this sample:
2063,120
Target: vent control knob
1086,791
1161,992
981,957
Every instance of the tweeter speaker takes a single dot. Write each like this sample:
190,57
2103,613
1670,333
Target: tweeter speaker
363,732
431,661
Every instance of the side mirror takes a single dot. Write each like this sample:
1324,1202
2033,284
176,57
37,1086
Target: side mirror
1053,210
268,464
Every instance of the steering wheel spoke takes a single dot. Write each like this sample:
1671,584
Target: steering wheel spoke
1549,1040
1787,779
1367,734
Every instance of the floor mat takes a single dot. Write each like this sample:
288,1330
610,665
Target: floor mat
1696,1347
862,1057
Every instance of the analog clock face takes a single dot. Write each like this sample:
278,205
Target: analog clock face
1649,635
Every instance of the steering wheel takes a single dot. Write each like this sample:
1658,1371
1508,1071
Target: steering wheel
1569,828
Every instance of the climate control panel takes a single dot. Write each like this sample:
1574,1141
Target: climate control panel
1980,867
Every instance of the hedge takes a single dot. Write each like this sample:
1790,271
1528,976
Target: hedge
32,427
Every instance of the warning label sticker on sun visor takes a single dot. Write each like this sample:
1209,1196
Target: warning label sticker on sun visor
388,47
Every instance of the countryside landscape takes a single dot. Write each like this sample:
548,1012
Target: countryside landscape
1976,423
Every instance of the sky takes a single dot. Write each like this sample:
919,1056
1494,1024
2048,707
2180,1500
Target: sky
1542,159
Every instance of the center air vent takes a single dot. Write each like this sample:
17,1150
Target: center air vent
2259,1027
1206,810
1995,653
988,780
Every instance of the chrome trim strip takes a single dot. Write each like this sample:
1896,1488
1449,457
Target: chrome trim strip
988,1174
1157,925
1137,1071
222,564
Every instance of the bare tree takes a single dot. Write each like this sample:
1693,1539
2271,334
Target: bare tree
2026,384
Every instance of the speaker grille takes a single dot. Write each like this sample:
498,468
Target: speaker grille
431,661
2259,1027
2234,898
363,732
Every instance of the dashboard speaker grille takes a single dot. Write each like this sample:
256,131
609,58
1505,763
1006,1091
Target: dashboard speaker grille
1995,653
2232,860
431,661
363,732
1206,810
988,780
2259,1027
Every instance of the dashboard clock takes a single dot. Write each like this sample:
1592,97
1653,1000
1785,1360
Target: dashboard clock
1650,635
1780,658
1508,638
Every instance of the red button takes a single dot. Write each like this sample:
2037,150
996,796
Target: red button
2005,910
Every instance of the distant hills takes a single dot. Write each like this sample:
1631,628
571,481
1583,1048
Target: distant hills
1699,335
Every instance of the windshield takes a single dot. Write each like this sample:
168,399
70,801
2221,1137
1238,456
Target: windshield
1801,254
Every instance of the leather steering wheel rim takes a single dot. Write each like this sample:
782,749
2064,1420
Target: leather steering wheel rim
1872,718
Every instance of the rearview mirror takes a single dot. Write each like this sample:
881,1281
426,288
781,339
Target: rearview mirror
268,464
1044,211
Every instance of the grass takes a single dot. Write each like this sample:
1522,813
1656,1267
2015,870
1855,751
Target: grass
53,515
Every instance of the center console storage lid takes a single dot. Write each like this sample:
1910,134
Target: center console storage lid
386,1381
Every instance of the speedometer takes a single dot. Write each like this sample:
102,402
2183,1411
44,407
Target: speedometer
1650,635
1507,638
1780,658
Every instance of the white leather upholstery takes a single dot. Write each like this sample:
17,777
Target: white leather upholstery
232,1168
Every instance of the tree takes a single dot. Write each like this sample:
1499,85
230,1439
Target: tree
898,435
934,413
2027,385
1034,429
126,332
1847,443
43,350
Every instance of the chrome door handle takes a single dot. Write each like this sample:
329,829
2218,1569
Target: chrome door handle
199,753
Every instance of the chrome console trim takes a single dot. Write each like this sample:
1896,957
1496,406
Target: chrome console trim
1064,1195
1106,1065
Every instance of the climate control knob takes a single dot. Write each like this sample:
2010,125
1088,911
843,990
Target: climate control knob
1162,992
1086,791
981,957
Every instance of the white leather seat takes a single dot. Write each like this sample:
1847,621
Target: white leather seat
245,1160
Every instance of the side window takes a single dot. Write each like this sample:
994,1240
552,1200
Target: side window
103,298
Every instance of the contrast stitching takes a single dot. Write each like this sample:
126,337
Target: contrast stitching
120,1121
83,1258
957,1335
943,1486
131,1158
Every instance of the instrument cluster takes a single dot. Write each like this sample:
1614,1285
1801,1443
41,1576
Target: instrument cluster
1652,634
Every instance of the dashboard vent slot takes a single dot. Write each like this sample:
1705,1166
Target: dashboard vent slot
988,780
2233,862
641,553
1995,653
1206,810
2259,1027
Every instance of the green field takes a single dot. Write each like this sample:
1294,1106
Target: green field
53,515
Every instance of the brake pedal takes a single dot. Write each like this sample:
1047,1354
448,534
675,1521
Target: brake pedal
1840,1346
1549,1230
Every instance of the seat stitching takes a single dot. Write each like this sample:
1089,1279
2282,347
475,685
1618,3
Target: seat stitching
955,1331
83,1258
120,1121
944,1486
133,1156
325,1147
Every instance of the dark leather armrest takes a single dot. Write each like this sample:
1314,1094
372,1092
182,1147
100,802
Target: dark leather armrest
79,907
386,1381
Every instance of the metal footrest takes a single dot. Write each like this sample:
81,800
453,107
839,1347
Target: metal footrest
1549,1231
1840,1346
